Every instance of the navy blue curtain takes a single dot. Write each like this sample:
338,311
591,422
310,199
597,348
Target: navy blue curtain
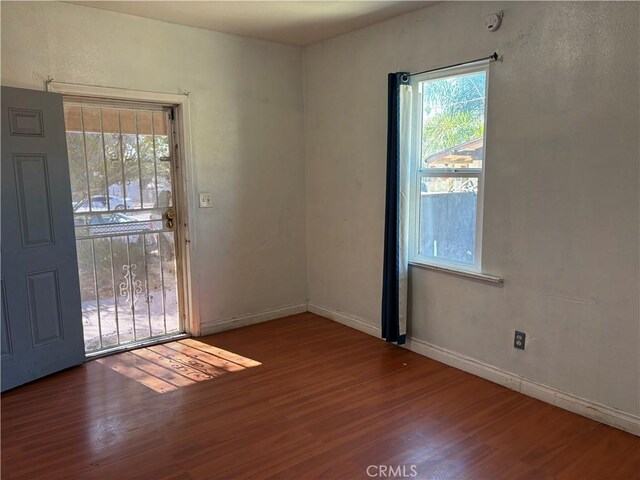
390,276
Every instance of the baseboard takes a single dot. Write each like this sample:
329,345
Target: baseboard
344,318
582,406
215,326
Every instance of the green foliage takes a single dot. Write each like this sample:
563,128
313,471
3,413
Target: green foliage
112,158
453,112
450,129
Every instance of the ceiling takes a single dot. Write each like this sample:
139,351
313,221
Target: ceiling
292,22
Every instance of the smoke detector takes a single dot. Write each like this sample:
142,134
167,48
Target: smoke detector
493,21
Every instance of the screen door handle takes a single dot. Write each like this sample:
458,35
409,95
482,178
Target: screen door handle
169,215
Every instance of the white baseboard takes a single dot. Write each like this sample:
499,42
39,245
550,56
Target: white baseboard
344,318
215,326
582,406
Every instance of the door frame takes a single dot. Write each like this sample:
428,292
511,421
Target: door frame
185,192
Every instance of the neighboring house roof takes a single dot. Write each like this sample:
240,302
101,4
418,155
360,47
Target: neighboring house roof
464,153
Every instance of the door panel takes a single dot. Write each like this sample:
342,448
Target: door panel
6,333
26,122
45,316
34,207
41,315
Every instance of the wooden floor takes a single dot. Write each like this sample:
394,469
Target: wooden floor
298,398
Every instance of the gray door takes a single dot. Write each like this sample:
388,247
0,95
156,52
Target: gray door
41,314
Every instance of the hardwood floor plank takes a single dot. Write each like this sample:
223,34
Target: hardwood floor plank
300,397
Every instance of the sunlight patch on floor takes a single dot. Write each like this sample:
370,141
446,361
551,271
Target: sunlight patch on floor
170,366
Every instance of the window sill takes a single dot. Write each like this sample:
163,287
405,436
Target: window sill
461,273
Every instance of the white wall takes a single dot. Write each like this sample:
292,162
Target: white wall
561,220
246,117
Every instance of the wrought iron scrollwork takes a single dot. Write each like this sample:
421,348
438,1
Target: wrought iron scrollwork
130,287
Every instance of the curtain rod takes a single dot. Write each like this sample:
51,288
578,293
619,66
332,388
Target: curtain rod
492,58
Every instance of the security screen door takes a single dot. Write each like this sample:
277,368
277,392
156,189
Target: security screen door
122,183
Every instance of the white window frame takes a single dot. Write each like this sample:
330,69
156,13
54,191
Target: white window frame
417,173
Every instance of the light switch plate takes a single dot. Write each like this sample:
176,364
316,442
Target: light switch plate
206,200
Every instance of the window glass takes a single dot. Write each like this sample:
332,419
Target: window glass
453,121
449,162
448,207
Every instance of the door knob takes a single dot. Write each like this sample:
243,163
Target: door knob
169,215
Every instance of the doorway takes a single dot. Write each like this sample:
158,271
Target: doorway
124,183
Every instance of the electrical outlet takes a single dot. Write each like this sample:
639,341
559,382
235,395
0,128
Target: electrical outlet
519,339
205,200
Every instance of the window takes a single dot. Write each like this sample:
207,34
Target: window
448,153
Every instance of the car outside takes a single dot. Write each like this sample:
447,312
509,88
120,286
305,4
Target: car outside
99,203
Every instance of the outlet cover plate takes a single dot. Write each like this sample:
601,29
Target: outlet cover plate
519,340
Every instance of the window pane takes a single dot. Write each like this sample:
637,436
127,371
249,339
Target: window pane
146,151
113,154
130,160
161,142
453,111
448,208
95,159
75,150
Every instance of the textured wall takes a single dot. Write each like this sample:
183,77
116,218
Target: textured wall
246,118
561,203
